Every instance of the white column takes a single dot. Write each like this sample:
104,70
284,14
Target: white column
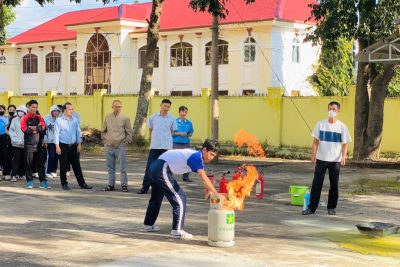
197,65
163,65
134,62
18,71
65,70
41,71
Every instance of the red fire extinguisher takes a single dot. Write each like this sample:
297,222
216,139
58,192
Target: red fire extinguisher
260,186
210,176
223,183
238,174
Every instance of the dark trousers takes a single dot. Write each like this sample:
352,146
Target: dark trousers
5,157
18,164
69,155
318,182
164,184
153,156
34,157
182,146
52,158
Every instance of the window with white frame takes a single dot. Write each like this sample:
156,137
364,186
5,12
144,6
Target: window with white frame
73,64
30,63
3,60
249,49
53,62
223,54
142,56
181,55
296,50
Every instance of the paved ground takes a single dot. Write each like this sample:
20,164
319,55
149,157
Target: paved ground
94,228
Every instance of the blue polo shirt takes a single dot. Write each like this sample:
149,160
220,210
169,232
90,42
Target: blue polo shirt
183,126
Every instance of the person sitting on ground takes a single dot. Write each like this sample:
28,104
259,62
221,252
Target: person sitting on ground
163,183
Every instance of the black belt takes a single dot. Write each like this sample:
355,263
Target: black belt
68,145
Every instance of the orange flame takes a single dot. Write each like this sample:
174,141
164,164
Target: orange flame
253,146
239,189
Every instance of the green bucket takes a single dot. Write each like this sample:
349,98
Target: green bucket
297,193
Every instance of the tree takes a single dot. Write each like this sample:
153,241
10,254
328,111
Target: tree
217,8
147,74
335,72
394,85
365,21
7,16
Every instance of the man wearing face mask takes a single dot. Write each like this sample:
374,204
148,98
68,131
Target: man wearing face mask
329,151
17,142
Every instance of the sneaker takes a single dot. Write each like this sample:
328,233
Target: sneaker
331,212
68,174
65,187
29,184
36,175
7,177
13,179
307,212
180,234
23,177
44,185
1,177
49,175
54,174
150,228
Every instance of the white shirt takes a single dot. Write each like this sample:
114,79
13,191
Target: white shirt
182,161
331,137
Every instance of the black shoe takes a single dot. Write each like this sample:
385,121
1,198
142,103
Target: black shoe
307,212
331,212
65,187
85,186
187,179
142,191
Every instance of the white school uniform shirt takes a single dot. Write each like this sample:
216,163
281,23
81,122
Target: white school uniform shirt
331,137
182,161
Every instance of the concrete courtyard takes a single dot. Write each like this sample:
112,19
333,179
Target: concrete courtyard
95,228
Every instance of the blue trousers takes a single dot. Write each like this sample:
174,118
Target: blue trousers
153,156
164,184
52,158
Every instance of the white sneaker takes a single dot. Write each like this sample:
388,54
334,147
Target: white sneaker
7,177
180,234
13,179
150,228
36,175
48,175
23,177
68,174
54,174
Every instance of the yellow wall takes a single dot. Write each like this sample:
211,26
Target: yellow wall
273,118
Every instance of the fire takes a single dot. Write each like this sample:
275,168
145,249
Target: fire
250,140
239,189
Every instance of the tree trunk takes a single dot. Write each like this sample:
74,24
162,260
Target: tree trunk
2,26
147,74
214,78
368,117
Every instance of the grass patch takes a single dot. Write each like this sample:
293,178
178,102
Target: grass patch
365,186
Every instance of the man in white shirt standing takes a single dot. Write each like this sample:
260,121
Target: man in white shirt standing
329,151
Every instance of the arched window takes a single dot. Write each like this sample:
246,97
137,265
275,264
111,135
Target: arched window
249,49
72,62
181,55
97,64
296,50
30,63
142,54
3,60
223,54
53,62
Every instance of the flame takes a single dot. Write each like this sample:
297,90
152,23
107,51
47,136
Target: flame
239,189
253,146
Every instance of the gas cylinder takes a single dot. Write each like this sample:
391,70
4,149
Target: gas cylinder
221,223
223,183
260,186
238,174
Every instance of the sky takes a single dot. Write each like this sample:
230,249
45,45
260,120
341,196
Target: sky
30,14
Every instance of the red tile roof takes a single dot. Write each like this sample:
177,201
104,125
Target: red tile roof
261,10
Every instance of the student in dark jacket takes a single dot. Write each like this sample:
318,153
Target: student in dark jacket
34,127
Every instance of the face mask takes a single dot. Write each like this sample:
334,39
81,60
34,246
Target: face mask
332,114
1,113
21,114
11,113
